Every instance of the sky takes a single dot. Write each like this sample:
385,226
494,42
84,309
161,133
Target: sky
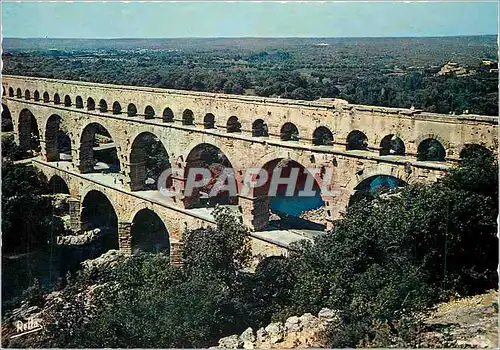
247,19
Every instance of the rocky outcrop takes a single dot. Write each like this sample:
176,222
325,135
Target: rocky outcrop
84,238
306,331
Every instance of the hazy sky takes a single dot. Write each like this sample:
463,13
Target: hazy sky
219,19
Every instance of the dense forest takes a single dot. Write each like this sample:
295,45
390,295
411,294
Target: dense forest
394,72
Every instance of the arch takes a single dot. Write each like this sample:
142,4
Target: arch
79,102
29,135
36,95
3,91
149,112
58,185
233,125
90,104
57,142
67,101
149,233
19,93
131,110
11,92
103,106
7,124
210,157
356,140
117,108
98,213
46,97
209,121
259,128
473,150
98,152
168,115
431,150
322,136
391,145
289,132
148,159
187,117
27,95
57,99
374,185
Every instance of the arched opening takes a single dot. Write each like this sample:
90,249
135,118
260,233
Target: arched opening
233,125
57,99
131,110
356,140
289,132
103,106
98,151
57,141
67,101
117,108
98,213
7,125
168,115
27,95
58,185
431,150
297,205
471,150
209,121
149,112
11,92
46,97
391,145
188,117
90,104
19,93
79,102
3,91
149,233
259,128
210,157
59,190
374,186
36,96
29,136
322,136
148,159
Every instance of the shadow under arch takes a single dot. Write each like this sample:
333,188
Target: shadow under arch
29,135
375,185
149,233
98,151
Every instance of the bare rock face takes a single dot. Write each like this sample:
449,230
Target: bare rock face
248,338
231,342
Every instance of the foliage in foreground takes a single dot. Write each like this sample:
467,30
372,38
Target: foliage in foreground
387,257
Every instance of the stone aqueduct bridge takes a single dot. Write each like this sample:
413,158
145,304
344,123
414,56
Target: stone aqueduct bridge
183,119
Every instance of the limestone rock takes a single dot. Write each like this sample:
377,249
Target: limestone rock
276,332
230,342
293,324
261,335
248,338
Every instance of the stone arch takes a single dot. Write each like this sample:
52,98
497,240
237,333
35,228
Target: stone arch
187,117
356,140
259,128
289,132
322,136
27,95
209,121
148,159
392,145
374,184
7,124
19,93
117,108
46,97
57,142
67,101
149,112
98,153
57,99
90,104
3,91
473,149
131,110
11,92
29,134
103,106
79,102
431,150
168,115
58,185
149,233
233,124
36,95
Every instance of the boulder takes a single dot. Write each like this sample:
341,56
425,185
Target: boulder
293,324
276,332
248,338
230,342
